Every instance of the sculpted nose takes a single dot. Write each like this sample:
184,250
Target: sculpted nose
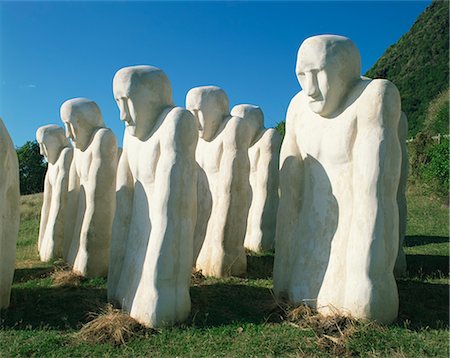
311,85
124,112
68,133
123,115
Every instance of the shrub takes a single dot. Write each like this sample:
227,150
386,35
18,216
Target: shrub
32,168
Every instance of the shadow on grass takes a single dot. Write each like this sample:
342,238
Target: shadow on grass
220,304
24,275
418,265
260,267
411,241
423,304
60,308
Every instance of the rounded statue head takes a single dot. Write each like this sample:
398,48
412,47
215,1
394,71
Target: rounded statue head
210,106
51,140
141,93
81,117
327,68
252,114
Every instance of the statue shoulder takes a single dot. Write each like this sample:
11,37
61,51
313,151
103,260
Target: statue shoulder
296,105
180,126
270,139
66,156
238,132
379,90
105,140
380,102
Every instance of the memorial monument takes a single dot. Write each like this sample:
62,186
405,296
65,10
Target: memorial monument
91,188
9,213
224,191
264,155
55,148
151,250
337,229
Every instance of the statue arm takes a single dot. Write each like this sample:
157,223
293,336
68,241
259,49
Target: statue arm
45,209
100,191
291,183
373,238
174,201
58,199
73,191
234,188
268,182
121,222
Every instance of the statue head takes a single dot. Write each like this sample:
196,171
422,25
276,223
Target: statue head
51,140
250,113
141,93
209,105
81,117
327,68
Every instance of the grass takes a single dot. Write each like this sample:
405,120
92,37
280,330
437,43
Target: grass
54,314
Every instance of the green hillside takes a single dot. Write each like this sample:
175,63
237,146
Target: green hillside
418,63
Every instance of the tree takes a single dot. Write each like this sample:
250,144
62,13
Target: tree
32,168
280,127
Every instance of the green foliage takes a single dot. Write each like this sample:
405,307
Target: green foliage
436,121
437,166
429,161
32,168
281,128
418,63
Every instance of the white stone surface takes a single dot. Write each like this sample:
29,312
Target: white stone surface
338,220
56,149
9,213
151,249
400,263
224,193
91,188
264,155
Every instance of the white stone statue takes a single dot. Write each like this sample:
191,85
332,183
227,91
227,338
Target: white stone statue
264,155
9,213
338,221
55,148
91,189
151,249
400,263
224,191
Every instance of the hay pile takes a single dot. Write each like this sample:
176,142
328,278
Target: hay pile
112,326
332,332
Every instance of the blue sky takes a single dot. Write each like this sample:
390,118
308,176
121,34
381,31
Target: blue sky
53,51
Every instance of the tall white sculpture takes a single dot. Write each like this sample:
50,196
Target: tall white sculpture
224,191
337,224
91,188
264,155
55,148
151,249
9,213
400,263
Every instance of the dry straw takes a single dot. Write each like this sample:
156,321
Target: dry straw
112,326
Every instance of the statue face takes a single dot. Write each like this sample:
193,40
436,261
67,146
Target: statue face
132,106
204,105
207,121
321,77
43,150
71,127
78,133
142,93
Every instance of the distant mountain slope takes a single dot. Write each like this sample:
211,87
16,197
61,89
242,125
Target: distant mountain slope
418,64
